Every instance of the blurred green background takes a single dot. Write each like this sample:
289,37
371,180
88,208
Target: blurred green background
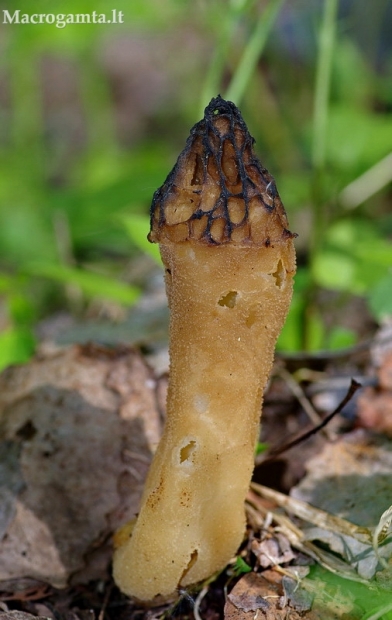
93,117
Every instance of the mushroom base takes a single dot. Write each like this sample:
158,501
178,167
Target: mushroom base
228,304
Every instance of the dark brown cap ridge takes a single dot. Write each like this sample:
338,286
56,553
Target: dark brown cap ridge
218,191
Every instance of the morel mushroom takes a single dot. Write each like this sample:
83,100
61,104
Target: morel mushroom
229,260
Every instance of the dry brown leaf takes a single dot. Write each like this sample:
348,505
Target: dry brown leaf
301,600
272,551
262,597
251,593
77,430
297,534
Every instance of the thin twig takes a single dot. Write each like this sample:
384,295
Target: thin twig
198,602
368,184
254,515
274,452
297,540
102,611
300,395
323,83
253,51
313,515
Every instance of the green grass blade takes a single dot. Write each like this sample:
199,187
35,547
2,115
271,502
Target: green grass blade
252,52
92,284
323,83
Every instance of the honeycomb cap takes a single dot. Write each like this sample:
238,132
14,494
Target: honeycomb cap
218,191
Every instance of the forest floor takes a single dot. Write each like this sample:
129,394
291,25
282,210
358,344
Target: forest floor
78,425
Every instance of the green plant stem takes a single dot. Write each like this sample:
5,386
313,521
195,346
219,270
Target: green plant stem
96,98
28,151
368,184
216,67
323,83
320,121
252,52
318,154
230,14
